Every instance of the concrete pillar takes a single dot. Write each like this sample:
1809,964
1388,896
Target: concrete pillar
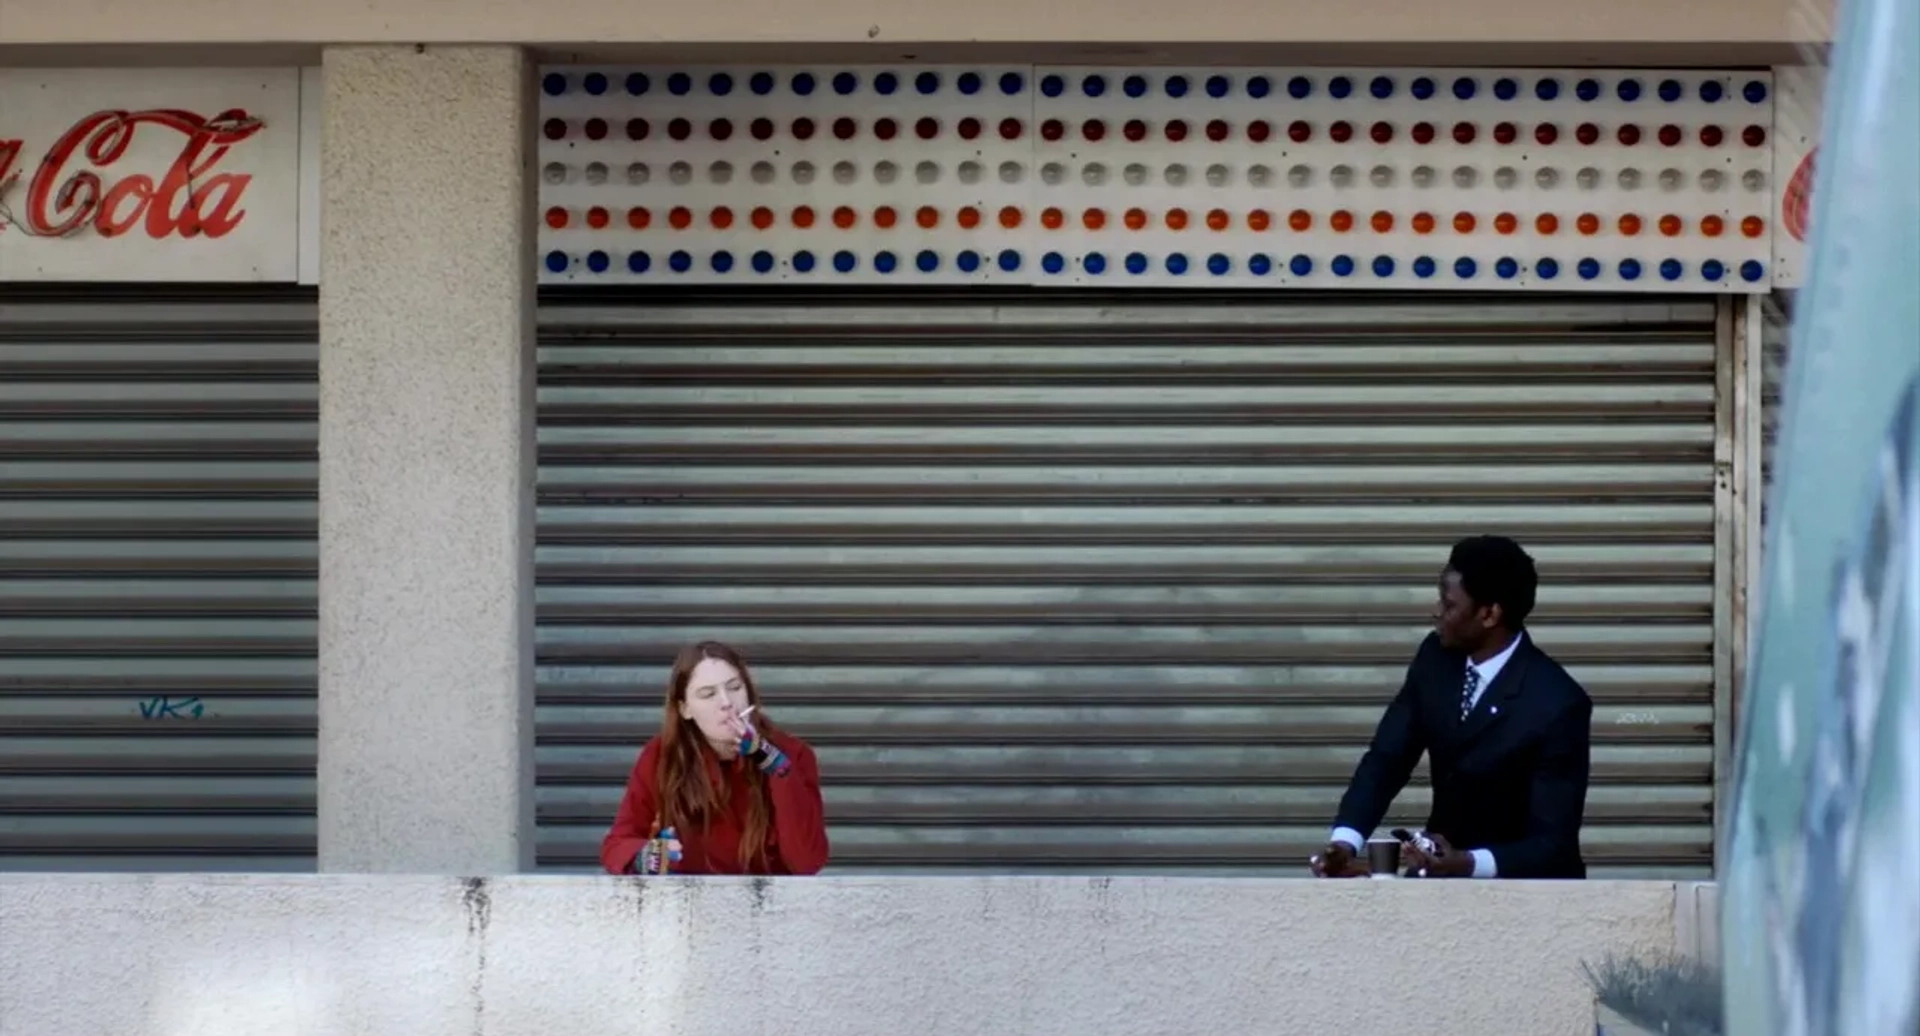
426,460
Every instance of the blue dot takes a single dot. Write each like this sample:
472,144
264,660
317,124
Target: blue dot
1464,268
679,262
1711,91
1052,85
1299,88
1464,87
1505,268
1135,86
1259,265
1670,270
1176,86
1755,91
1382,266
722,262
1547,269
638,83
1339,87
1587,89
1629,90
1712,270
969,83
968,261
1259,86
598,261
845,83
1547,89
1751,271
927,261
844,261
1300,266
1670,90
1136,263
720,84
1218,87
804,83
1423,267
1177,264
1218,264
803,261
885,84
1094,263
1011,83
1094,86
762,261
1053,262
761,83
639,262
1588,269
679,84
1009,260
556,261
1381,87
927,83
1505,88
1342,265
885,261
1629,269
553,83
596,83
1421,88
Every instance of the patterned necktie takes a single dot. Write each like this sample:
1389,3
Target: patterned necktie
1466,692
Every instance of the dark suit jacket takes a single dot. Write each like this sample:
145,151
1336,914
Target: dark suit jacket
1511,779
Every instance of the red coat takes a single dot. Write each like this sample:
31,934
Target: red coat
796,841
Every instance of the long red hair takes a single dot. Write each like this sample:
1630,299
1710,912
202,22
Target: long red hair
691,791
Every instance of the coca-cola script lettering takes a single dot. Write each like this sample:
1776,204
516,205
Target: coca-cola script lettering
81,181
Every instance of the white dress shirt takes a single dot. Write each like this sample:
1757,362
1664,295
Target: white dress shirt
1483,863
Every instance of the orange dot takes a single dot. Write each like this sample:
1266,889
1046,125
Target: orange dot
1629,225
762,218
1217,219
1176,219
1258,220
1423,222
721,217
884,217
928,217
968,218
803,216
1670,225
1588,224
1136,219
1547,223
556,217
1300,220
1463,223
639,218
1093,219
1381,222
597,218
1752,226
680,218
1341,221
1505,223
1052,218
844,217
1711,226
1009,217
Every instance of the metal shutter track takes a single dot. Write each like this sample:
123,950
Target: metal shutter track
157,538
1115,583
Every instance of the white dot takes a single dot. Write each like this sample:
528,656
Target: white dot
1588,178
720,172
1218,175
804,172
1093,174
762,172
554,172
1423,176
1506,177
680,173
1011,172
1465,177
638,173
1711,180
1671,179
1546,178
926,172
885,172
969,172
1135,174
1259,175
1380,176
1176,175
845,172
1053,173
1341,175
1753,180
1628,179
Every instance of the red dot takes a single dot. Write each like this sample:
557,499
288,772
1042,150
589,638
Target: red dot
1712,136
1176,130
720,129
1052,129
969,128
1670,135
1341,131
597,217
1299,131
557,217
762,218
1093,129
680,217
927,128
679,129
1753,136
1258,131
1422,133
596,129
885,129
1135,130
637,129
555,129
803,128
1587,134
1463,133
1010,129
1628,135
1382,132
844,127
1217,130
638,218
761,128
1545,134
1505,132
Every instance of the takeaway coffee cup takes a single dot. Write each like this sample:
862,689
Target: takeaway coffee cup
1383,857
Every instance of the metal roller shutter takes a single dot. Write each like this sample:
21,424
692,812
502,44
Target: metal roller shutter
1115,583
157,533
1776,332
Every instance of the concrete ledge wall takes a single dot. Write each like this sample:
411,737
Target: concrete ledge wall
540,956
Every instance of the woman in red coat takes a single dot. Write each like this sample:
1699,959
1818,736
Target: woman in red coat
720,790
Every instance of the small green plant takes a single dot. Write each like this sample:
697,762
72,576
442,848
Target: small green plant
1675,996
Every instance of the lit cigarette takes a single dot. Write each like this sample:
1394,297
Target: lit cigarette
744,712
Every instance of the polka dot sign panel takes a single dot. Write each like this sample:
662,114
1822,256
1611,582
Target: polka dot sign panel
1616,181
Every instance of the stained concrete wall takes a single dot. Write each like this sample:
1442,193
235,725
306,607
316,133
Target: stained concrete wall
345,955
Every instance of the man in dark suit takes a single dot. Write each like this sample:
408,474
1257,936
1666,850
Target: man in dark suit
1505,727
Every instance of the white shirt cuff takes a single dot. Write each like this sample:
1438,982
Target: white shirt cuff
1352,839
1483,865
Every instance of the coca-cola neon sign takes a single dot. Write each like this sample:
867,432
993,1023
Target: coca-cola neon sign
80,183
